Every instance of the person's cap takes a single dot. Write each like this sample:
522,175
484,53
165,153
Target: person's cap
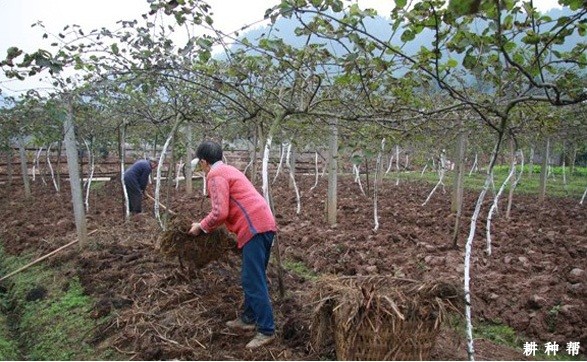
196,167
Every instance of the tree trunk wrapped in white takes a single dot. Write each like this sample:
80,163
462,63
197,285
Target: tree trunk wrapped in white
376,186
289,162
441,173
121,144
90,176
36,164
357,173
282,155
55,183
493,208
519,155
315,171
159,167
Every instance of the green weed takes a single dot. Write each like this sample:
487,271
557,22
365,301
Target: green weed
498,333
300,269
8,347
49,316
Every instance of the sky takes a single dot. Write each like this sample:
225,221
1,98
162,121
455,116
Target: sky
16,17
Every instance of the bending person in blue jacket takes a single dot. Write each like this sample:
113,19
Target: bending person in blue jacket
136,178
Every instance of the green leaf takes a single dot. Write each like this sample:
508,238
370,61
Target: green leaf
400,4
407,36
13,52
204,56
337,6
469,62
509,46
463,7
452,63
531,38
114,49
574,4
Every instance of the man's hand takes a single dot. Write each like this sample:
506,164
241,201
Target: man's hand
195,229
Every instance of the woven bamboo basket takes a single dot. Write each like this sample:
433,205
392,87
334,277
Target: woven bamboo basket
380,318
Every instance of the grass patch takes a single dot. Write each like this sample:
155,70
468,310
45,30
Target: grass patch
60,324
48,315
498,333
8,347
300,269
529,183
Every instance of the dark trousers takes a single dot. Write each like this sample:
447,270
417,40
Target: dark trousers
257,305
135,196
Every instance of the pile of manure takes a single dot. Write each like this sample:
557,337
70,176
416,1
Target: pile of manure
194,252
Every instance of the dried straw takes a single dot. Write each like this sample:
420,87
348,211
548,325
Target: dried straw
380,318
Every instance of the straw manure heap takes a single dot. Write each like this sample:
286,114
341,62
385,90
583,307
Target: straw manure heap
195,251
380,318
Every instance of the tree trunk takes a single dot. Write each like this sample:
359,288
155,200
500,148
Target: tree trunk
74,179
515,154
544,170
267,149
122,158
573,159
189,189
10,165
457,196
253,174
24,168
58,165
292,164
157,180
331,202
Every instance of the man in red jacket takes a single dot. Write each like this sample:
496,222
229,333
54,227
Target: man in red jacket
236,203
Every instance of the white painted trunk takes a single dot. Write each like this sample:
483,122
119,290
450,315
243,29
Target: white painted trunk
315,171
159,167
90,176
514,185
474,167
55,184
122,169
282,149
441,173
357,173
36,163
265,169
493,209
376,186
293,179
189,170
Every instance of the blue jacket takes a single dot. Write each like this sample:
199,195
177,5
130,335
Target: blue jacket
138,174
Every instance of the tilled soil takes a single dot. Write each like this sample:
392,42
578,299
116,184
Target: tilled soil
534,280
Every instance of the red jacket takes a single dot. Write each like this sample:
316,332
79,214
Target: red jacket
236,203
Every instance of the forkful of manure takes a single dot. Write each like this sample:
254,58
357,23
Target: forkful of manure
194,252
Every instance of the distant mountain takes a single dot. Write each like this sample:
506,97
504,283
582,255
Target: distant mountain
380,28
